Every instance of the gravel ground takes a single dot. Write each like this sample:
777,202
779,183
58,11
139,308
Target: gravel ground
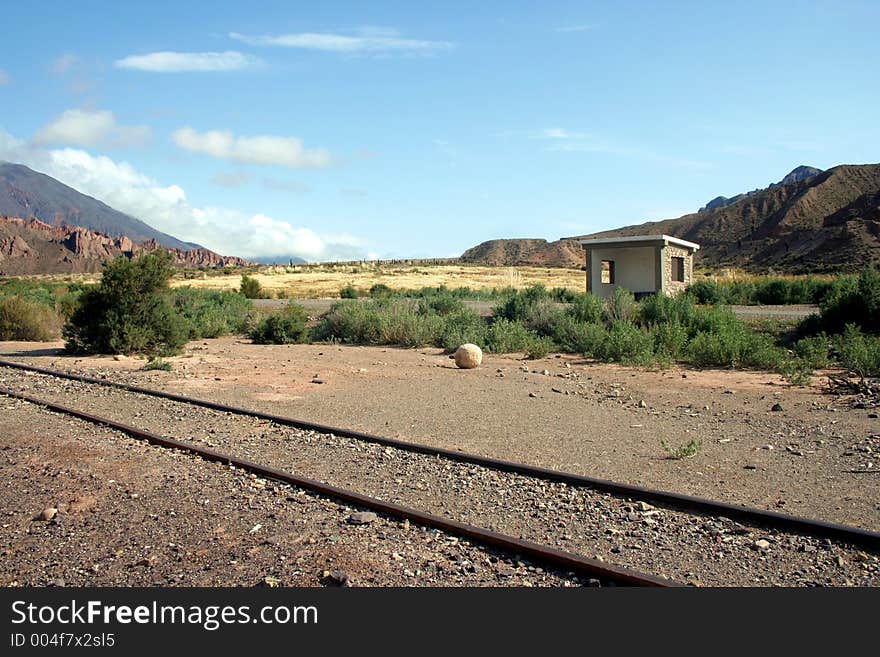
816,458
663,541
130,514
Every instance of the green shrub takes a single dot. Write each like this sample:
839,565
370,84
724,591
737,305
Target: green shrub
670,339
621,306
586,308
857,352
683,451
156,364
27,320
460,328
563,295
130,311
380,291
211,313
814,351
505,337
440,304
518,304
251,289
734,345
661,309
287,326
705,292
348,292
578,337
351,322
628,344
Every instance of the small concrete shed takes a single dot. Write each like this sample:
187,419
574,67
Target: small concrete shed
643,264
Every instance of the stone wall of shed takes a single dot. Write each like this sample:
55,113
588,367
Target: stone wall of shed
671,287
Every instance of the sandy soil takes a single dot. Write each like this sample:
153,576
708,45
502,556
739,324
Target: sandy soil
816,457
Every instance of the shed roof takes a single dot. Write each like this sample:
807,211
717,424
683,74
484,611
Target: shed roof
640,240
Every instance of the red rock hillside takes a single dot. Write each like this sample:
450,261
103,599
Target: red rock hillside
29,246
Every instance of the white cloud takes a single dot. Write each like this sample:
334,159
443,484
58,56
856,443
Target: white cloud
261,149
184,62
63,64
166,208
91,128
230,179
4,77
369,41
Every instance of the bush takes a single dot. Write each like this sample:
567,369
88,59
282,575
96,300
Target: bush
380,291
852,300
857,352
348,292
157,364
440,304
705,292
621,306
670,340
813,351
627,343
130,311
460,328
661,309
518,304
734,345
287,326
505,337
579,337
586,308
27,320
251,289
211,313
351,322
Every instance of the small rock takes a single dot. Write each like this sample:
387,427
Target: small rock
644,506
48,514
776,408
337,577
873,416
533,394
762,544
361,518
318,381
545,372
271,582
468,356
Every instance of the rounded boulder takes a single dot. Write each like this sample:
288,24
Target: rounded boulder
468,356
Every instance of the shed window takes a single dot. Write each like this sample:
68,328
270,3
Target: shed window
608,272
678,269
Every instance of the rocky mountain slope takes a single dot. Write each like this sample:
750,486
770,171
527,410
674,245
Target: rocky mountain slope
32,195
811,221
526,252
31,246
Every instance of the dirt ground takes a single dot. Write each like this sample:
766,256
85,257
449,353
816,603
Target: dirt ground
816,457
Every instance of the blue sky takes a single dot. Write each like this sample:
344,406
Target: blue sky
399,129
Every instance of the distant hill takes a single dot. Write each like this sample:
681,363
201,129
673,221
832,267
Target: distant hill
811,221
29,194
825,222
279,260
526,252
30,246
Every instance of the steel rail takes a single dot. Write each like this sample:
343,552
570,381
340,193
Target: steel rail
846,533
534,551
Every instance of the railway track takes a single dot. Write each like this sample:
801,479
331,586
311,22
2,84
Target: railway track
542,554
849,540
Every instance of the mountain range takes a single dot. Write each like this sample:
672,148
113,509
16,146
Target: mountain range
29,194
810,221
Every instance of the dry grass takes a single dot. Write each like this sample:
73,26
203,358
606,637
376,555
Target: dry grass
733,274
325,281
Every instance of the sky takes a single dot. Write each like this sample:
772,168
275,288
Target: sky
346,130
